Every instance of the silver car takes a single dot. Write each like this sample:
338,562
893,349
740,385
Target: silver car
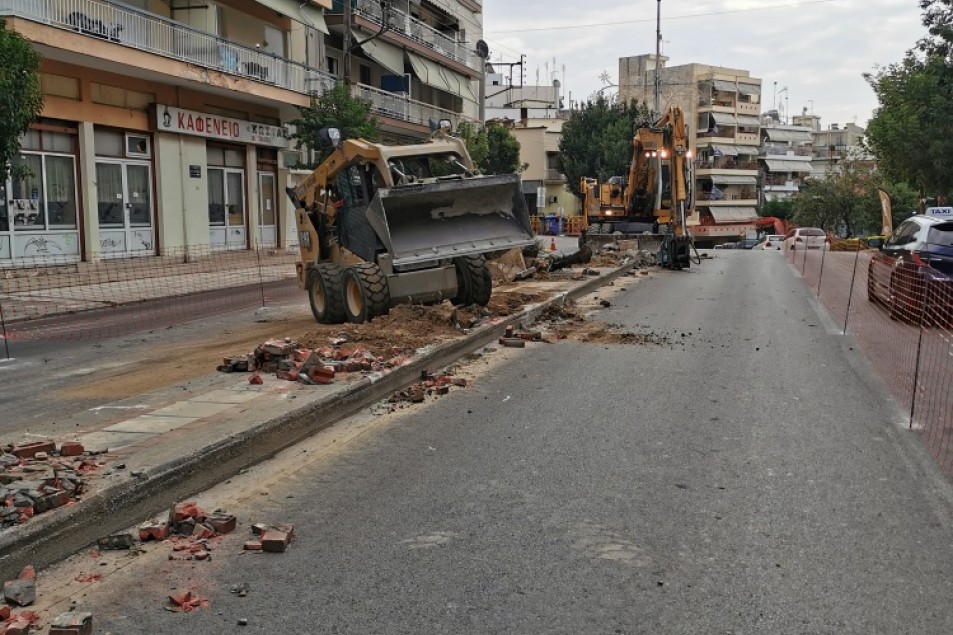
806,238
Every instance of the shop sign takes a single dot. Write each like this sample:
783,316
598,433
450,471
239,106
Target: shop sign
200,124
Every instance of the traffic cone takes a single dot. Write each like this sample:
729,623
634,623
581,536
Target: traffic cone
552,244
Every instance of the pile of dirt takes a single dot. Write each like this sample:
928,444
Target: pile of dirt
567,322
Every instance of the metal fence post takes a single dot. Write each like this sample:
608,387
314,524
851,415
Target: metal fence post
850,295
261,279
916,368
3,327
820,275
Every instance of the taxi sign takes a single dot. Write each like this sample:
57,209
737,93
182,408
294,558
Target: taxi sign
940,212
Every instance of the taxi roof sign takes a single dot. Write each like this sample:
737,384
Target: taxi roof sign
940,212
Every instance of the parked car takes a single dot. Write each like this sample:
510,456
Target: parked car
728,245
747,243
806,238
912,274
772,241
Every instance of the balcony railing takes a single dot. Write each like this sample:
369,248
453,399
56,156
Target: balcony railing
801,151
554,176
155,34
410,27
398,106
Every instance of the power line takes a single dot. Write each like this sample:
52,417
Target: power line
677,17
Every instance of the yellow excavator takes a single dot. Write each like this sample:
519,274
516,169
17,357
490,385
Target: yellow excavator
656,192
383,224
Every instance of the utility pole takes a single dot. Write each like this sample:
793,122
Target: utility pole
347,42
658,99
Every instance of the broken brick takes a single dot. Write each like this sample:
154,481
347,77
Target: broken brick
274,540
17,626
20,592
459,381
222,523
30,450
200,531
258,528
4,612
288,375
28,573
512,342
188,509
72,623
256,379
154,531
187,601
71,448
252,545
442,390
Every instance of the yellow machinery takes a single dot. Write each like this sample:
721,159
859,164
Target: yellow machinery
378,225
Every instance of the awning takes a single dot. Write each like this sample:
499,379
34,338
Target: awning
303,13
733,179
749,150
788,136
385,54
724,118
724,149
733,214
748,120
780,165
429,73
728,87
749,89
459,82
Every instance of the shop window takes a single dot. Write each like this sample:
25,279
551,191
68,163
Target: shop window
234,158
30,140
57,142
59,86
137,146
47,197
107,143
215,155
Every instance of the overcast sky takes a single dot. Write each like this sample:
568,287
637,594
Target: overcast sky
818,49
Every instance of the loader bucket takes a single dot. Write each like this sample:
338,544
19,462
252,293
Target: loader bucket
449,218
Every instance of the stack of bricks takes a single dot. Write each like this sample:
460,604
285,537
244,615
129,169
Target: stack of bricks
191,529
38,477
437,384
274,539
290,361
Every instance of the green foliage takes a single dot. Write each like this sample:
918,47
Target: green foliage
912,131
493,149
337,108
782,208
597,140
846,201
20,96
938,19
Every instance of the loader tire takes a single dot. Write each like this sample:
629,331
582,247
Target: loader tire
365,293
474,282
326,293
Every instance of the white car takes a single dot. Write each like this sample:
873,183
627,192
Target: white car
772,241
806,238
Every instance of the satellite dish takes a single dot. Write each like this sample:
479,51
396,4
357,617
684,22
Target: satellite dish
482,49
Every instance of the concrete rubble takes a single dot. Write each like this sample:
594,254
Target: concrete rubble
19,592
39,476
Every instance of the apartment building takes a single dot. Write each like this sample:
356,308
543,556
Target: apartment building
164,125
786,153
722,106
832,145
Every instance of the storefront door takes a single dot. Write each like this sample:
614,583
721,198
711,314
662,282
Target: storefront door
226,208
267,216
125,208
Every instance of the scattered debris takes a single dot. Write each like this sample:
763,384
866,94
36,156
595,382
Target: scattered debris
272,538
186,601
22,591
116,542
37,477
72,623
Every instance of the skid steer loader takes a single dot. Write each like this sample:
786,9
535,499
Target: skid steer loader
379,225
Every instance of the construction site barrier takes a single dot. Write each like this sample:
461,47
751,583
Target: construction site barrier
47,299
902,321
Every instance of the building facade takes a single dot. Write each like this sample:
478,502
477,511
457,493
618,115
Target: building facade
786,153
165,123
833,145
722,106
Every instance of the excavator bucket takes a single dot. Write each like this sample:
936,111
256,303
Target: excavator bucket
450,217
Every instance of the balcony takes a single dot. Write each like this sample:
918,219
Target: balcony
144,31
398,106
410,27
725,163
554,176
801,151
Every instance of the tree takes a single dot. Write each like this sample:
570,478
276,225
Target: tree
493,149
782,208
20,95
912,132
847,201
597,140
337,108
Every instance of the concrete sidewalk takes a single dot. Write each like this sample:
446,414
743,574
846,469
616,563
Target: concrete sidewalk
227,424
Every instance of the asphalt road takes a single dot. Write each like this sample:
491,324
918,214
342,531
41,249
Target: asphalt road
742,474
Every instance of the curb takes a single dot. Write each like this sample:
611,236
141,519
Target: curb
57,534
